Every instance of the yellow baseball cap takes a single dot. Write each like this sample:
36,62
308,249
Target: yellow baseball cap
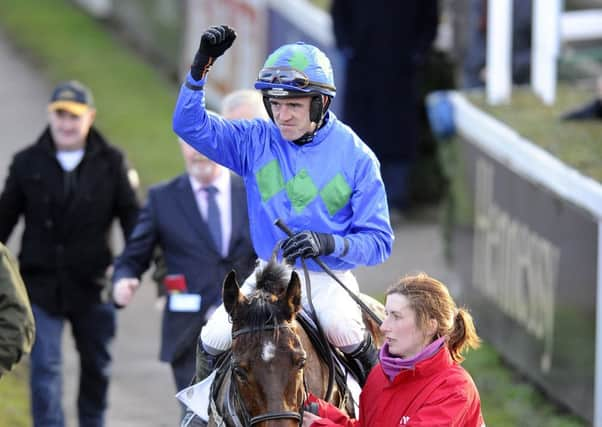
71,96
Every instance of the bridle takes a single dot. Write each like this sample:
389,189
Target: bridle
233,393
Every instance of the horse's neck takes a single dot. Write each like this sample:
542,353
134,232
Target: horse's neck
316,369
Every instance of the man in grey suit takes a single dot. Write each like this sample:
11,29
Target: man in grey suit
177,218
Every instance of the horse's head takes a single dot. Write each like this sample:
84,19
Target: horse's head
267,355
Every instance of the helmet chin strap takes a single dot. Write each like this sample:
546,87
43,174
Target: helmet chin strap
317,111
305,139
309,136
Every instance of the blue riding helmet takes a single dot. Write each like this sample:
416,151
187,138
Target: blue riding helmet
296,68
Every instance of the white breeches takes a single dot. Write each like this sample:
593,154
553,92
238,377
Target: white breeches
339,315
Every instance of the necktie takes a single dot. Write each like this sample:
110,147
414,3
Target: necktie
214,218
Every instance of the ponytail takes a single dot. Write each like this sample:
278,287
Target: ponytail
462,336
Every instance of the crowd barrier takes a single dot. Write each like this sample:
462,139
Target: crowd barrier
529,256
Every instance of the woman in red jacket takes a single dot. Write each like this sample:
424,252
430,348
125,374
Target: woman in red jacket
419,380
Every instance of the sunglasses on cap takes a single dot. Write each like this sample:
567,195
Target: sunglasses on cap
284,76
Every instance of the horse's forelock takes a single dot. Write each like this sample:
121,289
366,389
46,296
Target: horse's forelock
262,307
261,310
273,278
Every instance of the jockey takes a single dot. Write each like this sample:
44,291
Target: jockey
305,167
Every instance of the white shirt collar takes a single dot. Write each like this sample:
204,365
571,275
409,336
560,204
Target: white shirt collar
69,159
222,182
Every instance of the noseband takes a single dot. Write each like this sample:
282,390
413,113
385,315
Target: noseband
251,421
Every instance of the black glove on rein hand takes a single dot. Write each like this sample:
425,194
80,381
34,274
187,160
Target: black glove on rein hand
214,42
307,244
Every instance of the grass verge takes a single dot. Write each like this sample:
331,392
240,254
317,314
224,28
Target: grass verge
14,400
576,143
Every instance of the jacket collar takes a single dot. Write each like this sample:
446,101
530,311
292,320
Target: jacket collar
95,142
440,361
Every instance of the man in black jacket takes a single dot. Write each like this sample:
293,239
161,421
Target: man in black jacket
69,186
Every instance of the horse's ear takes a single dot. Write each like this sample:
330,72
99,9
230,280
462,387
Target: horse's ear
230,292
293,294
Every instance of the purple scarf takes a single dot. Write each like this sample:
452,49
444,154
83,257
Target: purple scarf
393,365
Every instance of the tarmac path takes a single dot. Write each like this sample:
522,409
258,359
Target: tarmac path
142,389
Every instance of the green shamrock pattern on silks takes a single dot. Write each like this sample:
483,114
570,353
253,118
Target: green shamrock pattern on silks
301,189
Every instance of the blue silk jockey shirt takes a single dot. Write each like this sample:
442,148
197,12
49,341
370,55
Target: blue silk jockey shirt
330,185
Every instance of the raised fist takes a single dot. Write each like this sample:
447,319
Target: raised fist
214,42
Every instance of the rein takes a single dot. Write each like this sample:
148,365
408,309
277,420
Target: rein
318,343
280,224
327,354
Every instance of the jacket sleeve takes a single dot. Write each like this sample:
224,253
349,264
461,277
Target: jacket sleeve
226,142
127,205
331,415
17,329
12,203
371,236
139,248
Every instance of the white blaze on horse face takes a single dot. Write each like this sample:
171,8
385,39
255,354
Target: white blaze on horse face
268,352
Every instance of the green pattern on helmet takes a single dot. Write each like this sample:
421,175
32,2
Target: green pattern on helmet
269,180
299,60
301,189
305,58
272,59
336,194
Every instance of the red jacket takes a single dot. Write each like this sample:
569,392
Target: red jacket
437,392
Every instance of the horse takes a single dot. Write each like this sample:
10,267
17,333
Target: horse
272,364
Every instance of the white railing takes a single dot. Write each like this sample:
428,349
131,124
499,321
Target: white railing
551,27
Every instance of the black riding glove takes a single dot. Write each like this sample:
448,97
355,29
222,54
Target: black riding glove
307,244
214,42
